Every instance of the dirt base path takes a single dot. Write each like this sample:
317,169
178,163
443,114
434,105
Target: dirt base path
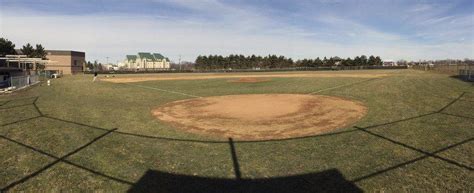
250,80
261,116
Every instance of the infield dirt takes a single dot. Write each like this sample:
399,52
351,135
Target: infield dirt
250,80
261,116
141,78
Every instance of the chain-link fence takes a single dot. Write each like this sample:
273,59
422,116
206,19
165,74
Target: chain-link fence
462,71
320,68
453,69
19,82
467,74
34,79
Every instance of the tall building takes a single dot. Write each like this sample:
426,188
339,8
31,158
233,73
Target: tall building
146,61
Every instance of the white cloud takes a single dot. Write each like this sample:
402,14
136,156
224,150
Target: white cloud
421,8
359,32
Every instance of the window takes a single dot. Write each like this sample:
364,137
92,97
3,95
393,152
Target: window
75,62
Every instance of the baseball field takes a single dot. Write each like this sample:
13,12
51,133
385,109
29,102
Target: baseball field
334,131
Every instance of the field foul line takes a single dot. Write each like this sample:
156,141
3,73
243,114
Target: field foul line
411,161
349,84
163,90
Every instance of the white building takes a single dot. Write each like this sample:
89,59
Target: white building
389,63
146,61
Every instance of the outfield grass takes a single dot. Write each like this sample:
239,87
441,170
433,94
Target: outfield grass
417,136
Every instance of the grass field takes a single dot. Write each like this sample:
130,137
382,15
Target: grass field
76,135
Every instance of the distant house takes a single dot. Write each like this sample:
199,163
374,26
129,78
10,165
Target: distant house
389,63
130,62
146,61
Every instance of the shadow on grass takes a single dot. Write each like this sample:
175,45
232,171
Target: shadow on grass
326,181
404,164
433,155
459,116
19,121
58,159
12,107
16,106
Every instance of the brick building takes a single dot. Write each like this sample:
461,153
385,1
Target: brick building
66,61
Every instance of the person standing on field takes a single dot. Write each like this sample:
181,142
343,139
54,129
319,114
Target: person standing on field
95,77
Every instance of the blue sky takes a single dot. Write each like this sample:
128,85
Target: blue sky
404,29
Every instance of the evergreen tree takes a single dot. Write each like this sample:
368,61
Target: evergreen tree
28,50
378,61
205,63
357,61
347,62
317,62
236,61
363,60
372,61
325,61
39,52
331,62
6,47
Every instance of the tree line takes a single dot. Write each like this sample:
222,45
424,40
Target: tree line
7,47
30,52
213,62
94,66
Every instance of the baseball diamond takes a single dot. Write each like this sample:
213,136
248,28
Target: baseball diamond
350,131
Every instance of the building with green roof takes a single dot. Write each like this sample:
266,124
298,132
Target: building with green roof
131,58
147,61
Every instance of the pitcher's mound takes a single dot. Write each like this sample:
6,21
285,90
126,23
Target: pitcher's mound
261,116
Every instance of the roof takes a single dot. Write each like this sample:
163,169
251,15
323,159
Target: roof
131,57
158,56
66,52
59,52
146,55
